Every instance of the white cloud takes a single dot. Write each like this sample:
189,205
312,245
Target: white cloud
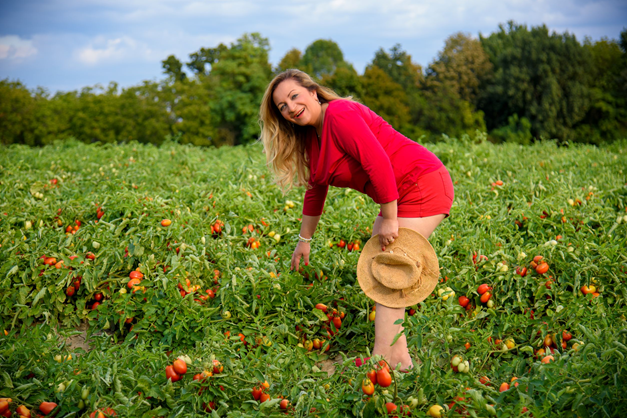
15,48
109,50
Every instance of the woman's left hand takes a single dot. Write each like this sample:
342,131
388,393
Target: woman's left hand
388,232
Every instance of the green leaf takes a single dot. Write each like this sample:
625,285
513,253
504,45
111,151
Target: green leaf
39,295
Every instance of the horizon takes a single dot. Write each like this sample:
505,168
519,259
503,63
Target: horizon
66,45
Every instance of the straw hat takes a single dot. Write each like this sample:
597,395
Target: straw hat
405,274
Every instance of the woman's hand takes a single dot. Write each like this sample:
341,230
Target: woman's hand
302,250
388,232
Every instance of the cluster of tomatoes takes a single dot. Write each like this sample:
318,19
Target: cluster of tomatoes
216,227
99,212
136,277
103,413
485,293
351,246
22,411
73,229
176,370
380,375
260,393
459,365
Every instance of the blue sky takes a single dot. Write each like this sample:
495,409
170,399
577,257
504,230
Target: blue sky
69,44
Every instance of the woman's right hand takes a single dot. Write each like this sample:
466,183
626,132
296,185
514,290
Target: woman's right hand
302,250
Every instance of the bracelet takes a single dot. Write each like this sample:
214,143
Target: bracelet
301,239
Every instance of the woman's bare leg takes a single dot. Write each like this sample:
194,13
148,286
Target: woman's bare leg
384,328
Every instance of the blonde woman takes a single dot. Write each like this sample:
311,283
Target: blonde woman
313,137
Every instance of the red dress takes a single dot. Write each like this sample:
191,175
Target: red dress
362,151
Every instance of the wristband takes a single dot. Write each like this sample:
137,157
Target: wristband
301,239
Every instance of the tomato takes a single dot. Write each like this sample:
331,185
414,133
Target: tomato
483,288
547,359
383,377
484,380
566,336
467,345
211,293
98,296
322,307
308,345
367,387
391,407
133,282
537,258
485,297
372,375
70,291
23,411
521,271
256,393
95,305
542,268
171,374
90,256
341,244
284,404
265,384
4,406
504,386
47,407
180,367
50,261
317,344
166,222
217,367
435,411
264,397
136,275
337,322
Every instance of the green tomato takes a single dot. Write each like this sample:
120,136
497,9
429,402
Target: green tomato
84,393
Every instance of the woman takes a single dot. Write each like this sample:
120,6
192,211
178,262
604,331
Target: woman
322,139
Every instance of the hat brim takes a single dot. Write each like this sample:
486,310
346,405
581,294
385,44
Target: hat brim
418,248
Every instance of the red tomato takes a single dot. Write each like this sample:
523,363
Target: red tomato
537,258
383,378
504,387
70,291
264,397
391,407
341,244
136,275
483,288
522,271
463,301
95,305
486,297
566,336
50,261
211,293
133,282
542,268
337,322
322,307
98,296
171,374
256,393
47,407
372,375
284,404
90,256
180,366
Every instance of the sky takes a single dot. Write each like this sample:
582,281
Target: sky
64,45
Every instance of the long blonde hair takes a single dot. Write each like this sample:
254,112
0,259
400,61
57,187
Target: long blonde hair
284,142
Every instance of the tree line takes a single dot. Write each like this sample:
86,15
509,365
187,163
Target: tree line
519,84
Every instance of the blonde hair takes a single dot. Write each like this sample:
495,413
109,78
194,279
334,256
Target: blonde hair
284,142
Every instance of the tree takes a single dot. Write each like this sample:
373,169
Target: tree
173,68
292,59
322,58
200,62
239,79
397,64
462,65
539,76
385,97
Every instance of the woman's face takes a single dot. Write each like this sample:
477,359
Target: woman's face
297,104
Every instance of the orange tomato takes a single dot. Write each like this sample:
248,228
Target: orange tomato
166,222
384,379
180,367
367,387
542,268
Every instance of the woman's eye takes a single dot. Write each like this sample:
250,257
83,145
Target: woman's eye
294,96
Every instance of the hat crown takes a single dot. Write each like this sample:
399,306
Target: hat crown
396,270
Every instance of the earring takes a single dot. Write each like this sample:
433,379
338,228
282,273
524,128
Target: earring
319,102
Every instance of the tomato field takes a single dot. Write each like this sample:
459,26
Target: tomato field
170,266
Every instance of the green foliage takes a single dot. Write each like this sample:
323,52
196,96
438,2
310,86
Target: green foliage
173,68
540,76
569,191
517,130
322,58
